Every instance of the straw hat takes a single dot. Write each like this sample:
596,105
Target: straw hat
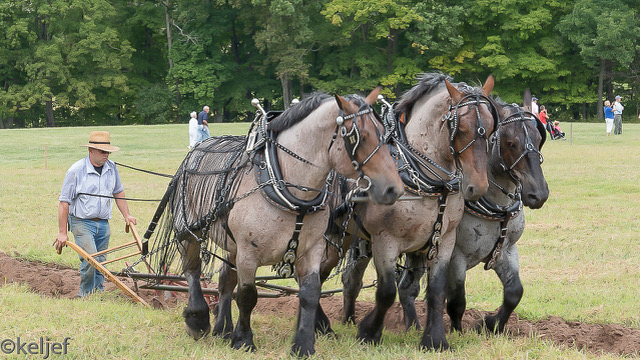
100,140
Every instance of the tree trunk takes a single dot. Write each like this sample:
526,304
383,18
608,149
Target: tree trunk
584,110
167,21
51,122
600,107
286,90
608,80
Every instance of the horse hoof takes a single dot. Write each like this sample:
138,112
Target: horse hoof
349,321
226,335
487,325
330,334
248,347
301,353
428,344
198,334
372,340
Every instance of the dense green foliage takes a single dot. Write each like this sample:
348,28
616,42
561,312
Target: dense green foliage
87,62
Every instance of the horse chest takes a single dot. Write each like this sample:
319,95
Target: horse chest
476,237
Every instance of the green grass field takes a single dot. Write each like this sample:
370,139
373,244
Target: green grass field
579,254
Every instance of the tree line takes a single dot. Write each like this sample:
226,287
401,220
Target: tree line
107,62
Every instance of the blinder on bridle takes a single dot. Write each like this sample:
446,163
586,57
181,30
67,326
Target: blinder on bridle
353,137
529,146
453,122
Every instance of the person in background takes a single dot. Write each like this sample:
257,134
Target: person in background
86,201
543,116
557,131
203,124
193,130
608,116
534,106
617,116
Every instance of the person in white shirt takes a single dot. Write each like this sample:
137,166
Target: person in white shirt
193,129
534,106
89,188
617,116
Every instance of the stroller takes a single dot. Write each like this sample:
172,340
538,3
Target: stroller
555,132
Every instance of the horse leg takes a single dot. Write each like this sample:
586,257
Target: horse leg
196,314
310,288
370,328
409,288
352,284
434,337
227,281
246,299
456,296
322,323
507,269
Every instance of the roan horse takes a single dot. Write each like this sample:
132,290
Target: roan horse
446,134
255,225
489,228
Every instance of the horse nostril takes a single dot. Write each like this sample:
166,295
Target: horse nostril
391,194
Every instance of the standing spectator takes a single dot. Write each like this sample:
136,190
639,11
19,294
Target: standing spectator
608,116
203,124
617,116
534,106
544,116
86,201
193,130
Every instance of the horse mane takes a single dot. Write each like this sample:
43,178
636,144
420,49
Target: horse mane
427,83
296,113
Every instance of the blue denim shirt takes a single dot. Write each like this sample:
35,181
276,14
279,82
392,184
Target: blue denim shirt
82,177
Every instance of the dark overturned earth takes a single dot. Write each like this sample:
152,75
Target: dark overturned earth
56,281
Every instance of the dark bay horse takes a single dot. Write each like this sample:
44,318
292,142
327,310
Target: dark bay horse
490,227
446,135
263,214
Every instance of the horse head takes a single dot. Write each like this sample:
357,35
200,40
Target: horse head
471,121
365,153
519,139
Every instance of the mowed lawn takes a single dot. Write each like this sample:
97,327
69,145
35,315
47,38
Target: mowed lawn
579,256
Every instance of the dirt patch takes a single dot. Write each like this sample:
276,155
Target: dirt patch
57,281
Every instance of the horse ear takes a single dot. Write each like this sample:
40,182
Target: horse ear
345,105
526,99
455,94
373,96
488,85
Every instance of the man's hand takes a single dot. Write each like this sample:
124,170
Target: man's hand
60,242
130,219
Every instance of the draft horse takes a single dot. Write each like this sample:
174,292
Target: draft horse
261,197
490,227
440,143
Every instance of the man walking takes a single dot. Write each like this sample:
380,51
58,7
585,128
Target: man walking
203,124
617,116
85,206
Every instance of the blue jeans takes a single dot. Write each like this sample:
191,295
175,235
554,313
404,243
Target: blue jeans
92,236
203,132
